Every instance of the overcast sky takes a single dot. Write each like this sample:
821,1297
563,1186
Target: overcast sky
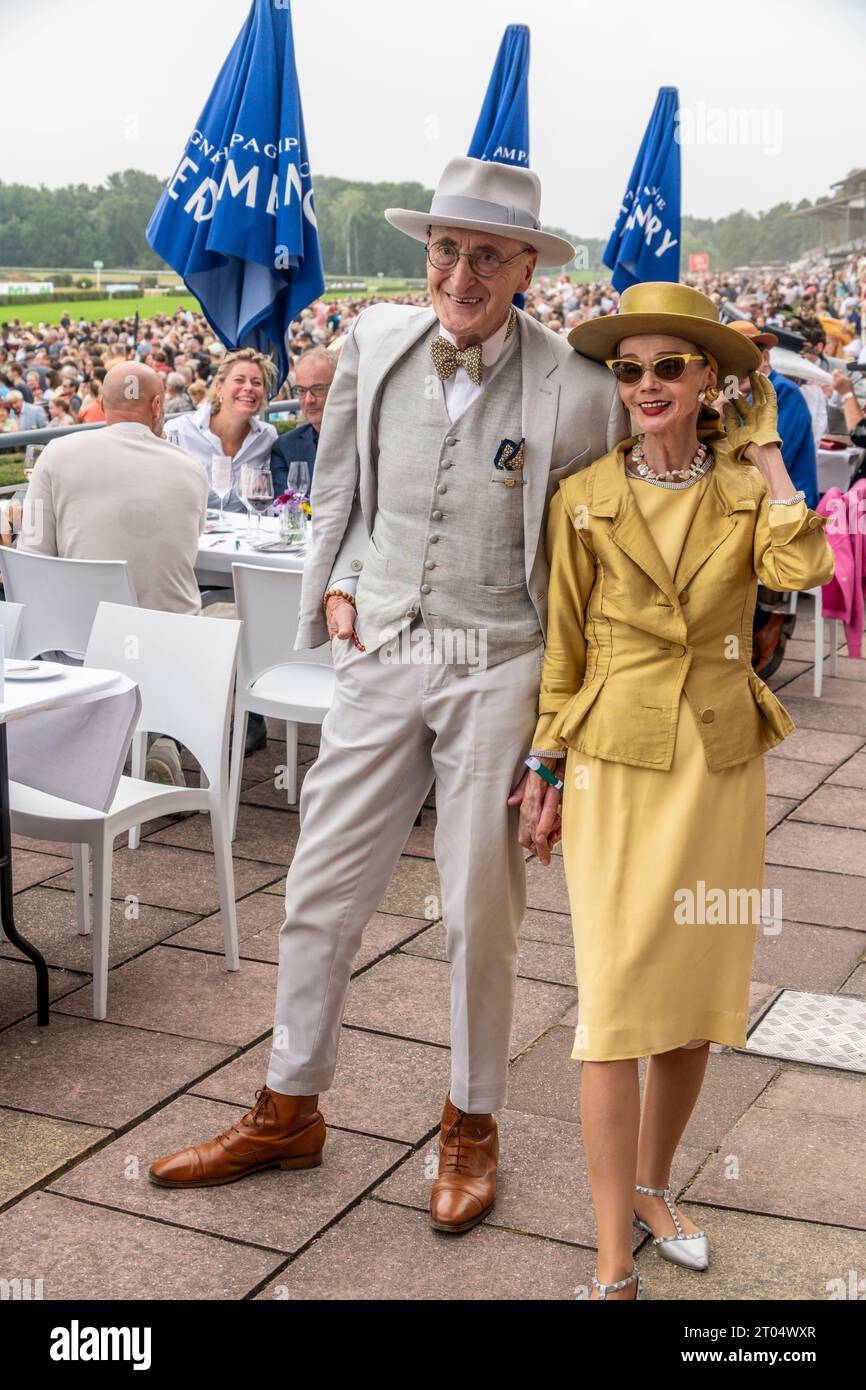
392,88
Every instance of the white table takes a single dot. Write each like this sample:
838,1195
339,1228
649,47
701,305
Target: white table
67,736
217,553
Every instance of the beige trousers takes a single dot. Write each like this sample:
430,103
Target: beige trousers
394,726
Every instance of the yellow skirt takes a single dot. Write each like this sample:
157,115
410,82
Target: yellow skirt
664,873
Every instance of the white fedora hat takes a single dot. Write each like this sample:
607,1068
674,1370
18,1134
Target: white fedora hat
485,196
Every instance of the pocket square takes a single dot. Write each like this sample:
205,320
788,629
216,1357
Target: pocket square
509,455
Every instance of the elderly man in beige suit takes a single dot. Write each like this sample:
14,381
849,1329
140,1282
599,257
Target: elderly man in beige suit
446,433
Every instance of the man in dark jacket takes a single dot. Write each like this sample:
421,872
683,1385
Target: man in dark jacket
313,377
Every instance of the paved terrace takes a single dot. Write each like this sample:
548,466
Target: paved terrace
771,1165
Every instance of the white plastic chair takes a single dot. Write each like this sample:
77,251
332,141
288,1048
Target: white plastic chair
818,673
272,678
185,670
10,621
60,598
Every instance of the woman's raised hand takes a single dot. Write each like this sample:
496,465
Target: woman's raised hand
756,423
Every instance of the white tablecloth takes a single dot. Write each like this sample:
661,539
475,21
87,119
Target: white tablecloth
69,736
217,554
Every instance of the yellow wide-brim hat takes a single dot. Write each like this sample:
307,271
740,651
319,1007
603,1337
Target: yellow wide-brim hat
657,306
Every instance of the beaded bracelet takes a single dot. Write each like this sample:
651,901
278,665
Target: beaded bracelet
339,593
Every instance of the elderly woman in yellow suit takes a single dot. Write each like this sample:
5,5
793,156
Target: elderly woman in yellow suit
649,700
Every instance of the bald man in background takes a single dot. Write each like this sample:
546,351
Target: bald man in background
123,493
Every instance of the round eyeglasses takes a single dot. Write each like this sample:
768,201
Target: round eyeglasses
483,262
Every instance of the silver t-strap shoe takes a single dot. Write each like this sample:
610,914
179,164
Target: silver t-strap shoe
690,1251
605,1289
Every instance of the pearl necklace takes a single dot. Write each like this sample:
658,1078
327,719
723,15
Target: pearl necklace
677,478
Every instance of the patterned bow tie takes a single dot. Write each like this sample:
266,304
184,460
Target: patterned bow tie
447,358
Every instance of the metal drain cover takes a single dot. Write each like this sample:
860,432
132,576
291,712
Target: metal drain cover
828,1030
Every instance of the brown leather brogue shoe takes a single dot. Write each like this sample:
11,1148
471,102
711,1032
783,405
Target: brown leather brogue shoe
279,1132
465,1189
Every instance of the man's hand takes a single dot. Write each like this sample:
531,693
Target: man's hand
340,617
540,823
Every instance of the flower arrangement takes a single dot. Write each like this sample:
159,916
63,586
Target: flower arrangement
294,512
295,502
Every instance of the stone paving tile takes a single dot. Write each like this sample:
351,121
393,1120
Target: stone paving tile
805,745
791,778
818,847
18,988
545,886
802,956
758,1258
536,960
165,876
554,927
276,1209
850,774
34,1146
802,649
384,1086
820,715
420,841
55,847
778,807
831,899
29,868
413,891
379,1251
545,1081
542,1185
46,918
835,690
262,835
787,673
260,918
410,997
272,797
96,1073
84,1252
800,1151
845,806
856,982
189,993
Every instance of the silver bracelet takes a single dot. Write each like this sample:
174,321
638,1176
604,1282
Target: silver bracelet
547,753
787,501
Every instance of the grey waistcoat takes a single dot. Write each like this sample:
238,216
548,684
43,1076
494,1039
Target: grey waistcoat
447,540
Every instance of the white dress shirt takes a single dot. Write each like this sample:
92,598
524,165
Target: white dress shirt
193,433
460,391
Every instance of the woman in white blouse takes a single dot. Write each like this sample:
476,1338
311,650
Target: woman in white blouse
227,423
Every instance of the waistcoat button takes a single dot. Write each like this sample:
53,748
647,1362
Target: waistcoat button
433,540
451,443
429,564
442,488
708,715
425,588
437,516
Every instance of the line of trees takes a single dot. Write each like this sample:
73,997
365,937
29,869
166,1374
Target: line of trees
78,224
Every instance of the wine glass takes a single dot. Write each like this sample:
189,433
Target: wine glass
299,476
257,492
221,479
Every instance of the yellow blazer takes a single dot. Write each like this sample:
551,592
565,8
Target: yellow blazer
623,641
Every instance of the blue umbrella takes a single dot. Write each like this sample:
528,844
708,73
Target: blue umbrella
645,243
236,220
502,132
